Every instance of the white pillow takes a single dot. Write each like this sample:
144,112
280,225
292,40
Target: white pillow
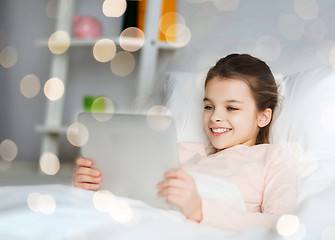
305,125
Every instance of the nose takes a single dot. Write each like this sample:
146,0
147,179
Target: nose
217,116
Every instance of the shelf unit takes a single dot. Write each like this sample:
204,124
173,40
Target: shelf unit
148,57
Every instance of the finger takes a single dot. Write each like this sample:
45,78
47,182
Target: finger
177,173
87,171
88,186
170,191
87,179
84,162
172,182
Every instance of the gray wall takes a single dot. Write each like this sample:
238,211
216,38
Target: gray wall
215,33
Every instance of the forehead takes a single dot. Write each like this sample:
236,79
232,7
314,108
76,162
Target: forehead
228,88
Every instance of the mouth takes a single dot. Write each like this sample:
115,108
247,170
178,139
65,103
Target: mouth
219,130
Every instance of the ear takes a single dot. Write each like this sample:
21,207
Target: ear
264,117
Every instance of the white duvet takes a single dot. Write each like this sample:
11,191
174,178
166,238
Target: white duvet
65,212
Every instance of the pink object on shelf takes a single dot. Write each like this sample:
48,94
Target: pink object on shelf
87,27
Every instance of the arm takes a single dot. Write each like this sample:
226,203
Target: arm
85,176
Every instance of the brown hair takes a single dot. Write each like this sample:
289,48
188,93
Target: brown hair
257,75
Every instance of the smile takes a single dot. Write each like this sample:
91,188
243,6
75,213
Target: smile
220,130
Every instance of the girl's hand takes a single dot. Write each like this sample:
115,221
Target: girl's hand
85,176
179,189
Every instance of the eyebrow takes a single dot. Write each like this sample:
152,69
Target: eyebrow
226,101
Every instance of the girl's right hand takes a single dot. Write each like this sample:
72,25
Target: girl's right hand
85,176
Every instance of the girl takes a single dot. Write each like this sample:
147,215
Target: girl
240,98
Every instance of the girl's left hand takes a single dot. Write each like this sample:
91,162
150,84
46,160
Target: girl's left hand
179,189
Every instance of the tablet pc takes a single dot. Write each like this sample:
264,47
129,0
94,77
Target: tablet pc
132,151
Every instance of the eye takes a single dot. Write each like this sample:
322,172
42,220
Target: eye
208,107
232,109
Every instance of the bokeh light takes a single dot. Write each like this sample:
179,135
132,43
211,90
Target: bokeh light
103,105
59,42
123,64
30,86
49,163
226,5
268,48
290,26
121,211
104,50
287,225
43,203
8,150
315,30
114,8
161,123
306,9
54,89
168,27
323,49
77,134
328,118
332,57
131,39
298,235
8,57
183,36
103,200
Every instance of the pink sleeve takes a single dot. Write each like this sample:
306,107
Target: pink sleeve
187,150
279,197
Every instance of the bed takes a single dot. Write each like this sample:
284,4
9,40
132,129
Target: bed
304,124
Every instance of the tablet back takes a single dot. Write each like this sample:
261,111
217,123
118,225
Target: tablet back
132,151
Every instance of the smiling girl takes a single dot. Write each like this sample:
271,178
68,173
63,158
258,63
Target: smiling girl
240,98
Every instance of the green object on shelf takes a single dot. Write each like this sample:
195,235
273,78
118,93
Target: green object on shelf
94,104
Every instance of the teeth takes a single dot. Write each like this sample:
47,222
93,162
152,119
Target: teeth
220,130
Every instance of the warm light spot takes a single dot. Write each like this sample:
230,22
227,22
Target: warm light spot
306,9
103,200
290,26
332,57
315,30
30,86
159,118
114,8
54,89
49,163
103,105
268,48
287,225
226,5
183,35
8,150
328,233
131,39
104,50
121,211
77,134
328,118
323,49
43,203
59,42
8,57
123,64
169,21
298,235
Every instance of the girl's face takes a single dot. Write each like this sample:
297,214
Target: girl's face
230,115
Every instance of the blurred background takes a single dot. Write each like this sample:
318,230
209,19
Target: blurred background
55,44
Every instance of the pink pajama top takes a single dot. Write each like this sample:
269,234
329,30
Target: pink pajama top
264,175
